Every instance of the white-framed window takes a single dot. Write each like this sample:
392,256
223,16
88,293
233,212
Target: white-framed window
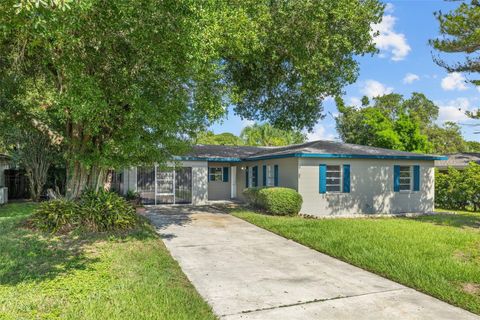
252,177
270,176
405,178
215,174
334,178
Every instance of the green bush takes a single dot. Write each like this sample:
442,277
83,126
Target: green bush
56,215
103,211
280,201
251,196
458,189
94,211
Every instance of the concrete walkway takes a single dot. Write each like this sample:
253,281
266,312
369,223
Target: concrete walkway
245,272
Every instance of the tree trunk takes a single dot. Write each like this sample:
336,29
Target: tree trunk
81,178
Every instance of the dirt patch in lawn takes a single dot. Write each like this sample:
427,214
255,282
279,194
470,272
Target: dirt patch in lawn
471,288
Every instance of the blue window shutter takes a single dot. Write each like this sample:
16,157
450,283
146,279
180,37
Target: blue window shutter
264,169
246,177
255,175
416,178
346,178
396,178
225,174
323,178
275,175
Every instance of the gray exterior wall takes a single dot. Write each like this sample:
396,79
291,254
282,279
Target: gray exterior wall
371,188
219,190
287,173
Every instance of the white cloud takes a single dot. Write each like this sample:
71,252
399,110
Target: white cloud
388,40
374,88
320,133
454,81
389,8
355,101
410,78
454,110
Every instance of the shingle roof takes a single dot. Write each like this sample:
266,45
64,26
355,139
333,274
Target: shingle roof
321,148
458,160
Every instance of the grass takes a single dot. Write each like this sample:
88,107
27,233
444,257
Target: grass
95,276
438,255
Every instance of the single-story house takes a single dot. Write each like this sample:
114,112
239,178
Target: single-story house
457,161
333,178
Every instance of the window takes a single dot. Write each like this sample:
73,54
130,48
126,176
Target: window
405,178
253,176
334,179
215,174
270,176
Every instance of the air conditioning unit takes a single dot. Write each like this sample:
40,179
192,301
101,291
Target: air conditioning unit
3,195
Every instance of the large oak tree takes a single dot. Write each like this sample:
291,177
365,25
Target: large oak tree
119,83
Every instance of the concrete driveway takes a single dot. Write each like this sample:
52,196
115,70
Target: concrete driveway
245,272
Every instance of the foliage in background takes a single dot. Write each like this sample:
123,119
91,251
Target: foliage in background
459,31
254,135
94,211
393,122
275,201
266,135
390,122
111,81
32,150
223,139
458,189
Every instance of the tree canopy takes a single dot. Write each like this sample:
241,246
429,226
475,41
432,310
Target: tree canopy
393,122
460,33
254,135
267,135
120,83
224,139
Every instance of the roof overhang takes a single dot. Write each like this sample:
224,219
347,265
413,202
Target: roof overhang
317,155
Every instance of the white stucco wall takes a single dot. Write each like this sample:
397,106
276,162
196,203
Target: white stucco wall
371,188
219,190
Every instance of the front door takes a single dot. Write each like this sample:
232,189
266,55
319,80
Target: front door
233,179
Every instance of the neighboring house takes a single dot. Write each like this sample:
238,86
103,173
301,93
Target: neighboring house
333,178
458,161
4,165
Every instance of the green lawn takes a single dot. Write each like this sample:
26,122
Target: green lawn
439,255
95,276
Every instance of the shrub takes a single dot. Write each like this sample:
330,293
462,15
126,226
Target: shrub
458,190
280,201
94,211
133,197
56,215
103,211
251,196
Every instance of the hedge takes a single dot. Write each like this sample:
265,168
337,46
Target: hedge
458,189
276,201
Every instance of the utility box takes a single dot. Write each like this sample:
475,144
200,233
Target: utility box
3,195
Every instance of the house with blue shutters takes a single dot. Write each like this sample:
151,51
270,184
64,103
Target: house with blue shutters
333,178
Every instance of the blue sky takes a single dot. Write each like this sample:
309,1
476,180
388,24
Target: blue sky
403,66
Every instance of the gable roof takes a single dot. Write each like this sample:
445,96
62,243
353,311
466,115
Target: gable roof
313,149
458,160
